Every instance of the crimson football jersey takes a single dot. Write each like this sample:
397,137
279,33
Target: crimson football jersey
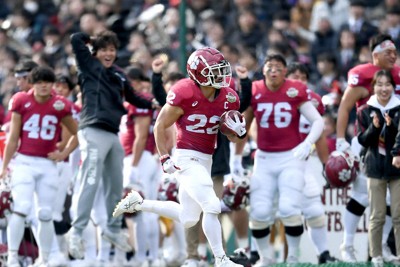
362,76
198,127
277,114
40,129
127,133
305,125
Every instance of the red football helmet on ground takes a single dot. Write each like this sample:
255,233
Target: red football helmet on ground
341,169
236,193
5,199
208,67
168,190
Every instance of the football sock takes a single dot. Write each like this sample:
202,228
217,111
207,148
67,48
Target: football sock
212,230
319,237
293,245
350,227
15,231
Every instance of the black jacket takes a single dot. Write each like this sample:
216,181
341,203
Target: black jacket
103,89
375,164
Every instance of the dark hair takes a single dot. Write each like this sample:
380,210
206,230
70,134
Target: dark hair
65,79
277,57
377,40
385,73
174,76
360,3
25,65
297,66
104,39
327,56
41,73
134,73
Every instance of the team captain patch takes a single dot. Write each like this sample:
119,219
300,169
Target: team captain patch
230,97
292,92
58,105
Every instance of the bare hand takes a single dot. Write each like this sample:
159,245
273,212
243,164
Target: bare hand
396,161
56,155
157,65
375,121
388,119
3,174
241,72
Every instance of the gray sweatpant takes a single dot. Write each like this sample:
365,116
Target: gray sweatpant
102,158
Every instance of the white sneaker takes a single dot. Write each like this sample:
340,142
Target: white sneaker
129,204
225,262
12,261
263,262
377,261
119,240
348,253
75,246
387,254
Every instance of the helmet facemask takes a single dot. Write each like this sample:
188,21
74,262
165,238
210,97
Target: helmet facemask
217,75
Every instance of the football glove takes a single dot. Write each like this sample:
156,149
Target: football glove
303,150
237,170
168,164
342,145
239,127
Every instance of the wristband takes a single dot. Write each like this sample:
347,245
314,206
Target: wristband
164,158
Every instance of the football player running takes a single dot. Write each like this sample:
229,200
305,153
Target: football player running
194,105
34,132
357,93
277,104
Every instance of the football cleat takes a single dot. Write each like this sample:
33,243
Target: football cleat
239,256
131,203
348,254
326,257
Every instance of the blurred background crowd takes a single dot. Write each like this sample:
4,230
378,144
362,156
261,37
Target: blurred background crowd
329,36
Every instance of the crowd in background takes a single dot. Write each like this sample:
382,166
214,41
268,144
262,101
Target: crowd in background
329,36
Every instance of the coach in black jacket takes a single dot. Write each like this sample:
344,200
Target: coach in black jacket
103,88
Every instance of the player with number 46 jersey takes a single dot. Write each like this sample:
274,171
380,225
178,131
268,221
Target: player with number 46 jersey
36,127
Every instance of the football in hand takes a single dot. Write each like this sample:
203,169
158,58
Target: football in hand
223,127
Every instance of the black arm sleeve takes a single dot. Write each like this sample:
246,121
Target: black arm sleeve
134,98
245,94
158,88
